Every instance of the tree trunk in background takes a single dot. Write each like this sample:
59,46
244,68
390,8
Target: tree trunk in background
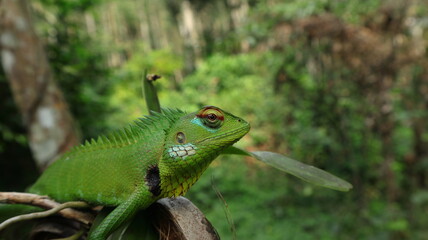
238,12
151,34
189,32
51,129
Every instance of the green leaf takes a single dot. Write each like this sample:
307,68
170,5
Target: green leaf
150,94
236,151
298,169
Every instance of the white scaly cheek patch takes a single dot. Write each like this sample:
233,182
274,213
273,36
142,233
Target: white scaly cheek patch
182,151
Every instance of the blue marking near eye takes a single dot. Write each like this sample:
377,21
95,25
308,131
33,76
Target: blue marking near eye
198,121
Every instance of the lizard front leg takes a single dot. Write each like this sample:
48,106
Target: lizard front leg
140,199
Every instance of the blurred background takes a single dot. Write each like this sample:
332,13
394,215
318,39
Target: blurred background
341,85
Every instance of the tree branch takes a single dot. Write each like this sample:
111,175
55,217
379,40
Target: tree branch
44,202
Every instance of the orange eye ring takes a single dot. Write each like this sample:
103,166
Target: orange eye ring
211,117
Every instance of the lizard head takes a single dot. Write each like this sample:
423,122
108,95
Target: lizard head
193,142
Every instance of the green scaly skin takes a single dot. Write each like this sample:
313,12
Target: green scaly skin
159,156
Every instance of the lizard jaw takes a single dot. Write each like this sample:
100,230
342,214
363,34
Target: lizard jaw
240,132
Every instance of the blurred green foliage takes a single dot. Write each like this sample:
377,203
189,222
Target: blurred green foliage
299,99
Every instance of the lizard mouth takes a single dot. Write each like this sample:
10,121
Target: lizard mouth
239,133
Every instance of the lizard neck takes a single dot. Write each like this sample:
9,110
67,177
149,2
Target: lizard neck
177,182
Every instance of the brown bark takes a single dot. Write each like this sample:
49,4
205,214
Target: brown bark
51,129
178,218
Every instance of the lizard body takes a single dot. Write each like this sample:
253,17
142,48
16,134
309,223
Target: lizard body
159,156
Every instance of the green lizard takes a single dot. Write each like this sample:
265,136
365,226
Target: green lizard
159,156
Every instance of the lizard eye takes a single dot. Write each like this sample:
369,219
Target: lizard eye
211,117
181,138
